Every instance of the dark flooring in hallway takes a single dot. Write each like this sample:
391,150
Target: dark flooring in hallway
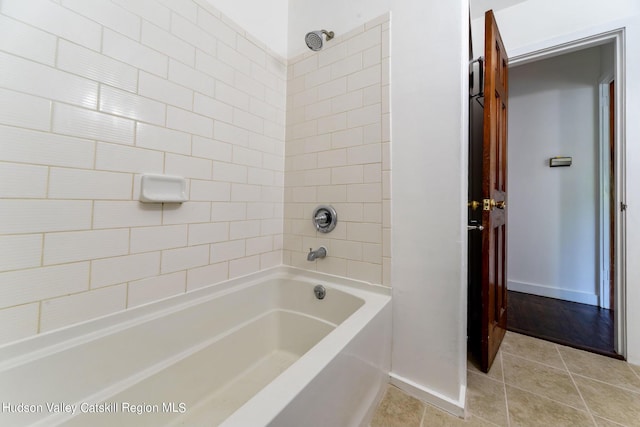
581,326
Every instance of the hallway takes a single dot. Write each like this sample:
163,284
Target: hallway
532,383
582,326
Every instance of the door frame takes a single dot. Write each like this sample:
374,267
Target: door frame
574,43
604,178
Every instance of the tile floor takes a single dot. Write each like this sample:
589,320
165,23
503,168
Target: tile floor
532,383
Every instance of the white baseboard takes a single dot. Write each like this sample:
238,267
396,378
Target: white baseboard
454,407
547,291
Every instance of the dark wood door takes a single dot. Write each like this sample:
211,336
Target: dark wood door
487,313
494,188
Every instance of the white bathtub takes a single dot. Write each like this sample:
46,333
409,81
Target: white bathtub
256,351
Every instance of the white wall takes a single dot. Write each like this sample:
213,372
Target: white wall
607,60
531,21
265,20
331,15
553,212
282,24
529,27
428,150
429,87
428,146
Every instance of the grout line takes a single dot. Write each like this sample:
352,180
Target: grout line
618,386
468,414
548,398
610,421
573,381
622,387
485,376
39,324
637,374
504,386
502,376
486,421
533,360
424,414
557,349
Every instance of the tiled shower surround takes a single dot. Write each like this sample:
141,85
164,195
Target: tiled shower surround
337,153
94,94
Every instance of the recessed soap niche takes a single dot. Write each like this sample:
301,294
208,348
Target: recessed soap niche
163,189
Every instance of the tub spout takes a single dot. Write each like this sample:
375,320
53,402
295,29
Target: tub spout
321,252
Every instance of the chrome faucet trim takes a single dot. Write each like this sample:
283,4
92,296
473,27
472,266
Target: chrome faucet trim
321,252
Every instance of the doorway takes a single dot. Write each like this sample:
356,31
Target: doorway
562,245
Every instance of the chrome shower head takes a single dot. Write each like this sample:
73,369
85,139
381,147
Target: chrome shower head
314,38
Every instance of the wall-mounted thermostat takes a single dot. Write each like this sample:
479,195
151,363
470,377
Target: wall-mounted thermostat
555,162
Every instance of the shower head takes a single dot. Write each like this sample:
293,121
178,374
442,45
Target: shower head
314,38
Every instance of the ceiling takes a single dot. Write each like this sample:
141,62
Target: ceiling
479,7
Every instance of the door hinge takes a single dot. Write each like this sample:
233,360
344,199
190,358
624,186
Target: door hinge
623,206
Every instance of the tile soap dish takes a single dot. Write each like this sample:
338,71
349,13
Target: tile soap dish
163,189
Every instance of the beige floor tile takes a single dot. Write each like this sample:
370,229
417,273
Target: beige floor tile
486,398
601,422
398,409
435,417
530,410
609,402
636,369
532,349
605,369
544,380
474,421
540,392
496,369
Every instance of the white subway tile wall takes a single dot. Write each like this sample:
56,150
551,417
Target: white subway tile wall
337,153
94,94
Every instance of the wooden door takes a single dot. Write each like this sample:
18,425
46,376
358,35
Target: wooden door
494,188
487,263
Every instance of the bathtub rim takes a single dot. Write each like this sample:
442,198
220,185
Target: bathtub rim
41,345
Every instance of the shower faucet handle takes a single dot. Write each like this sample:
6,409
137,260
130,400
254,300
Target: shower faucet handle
325,218
322,218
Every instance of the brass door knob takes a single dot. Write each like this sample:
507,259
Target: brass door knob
473,205
491,204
